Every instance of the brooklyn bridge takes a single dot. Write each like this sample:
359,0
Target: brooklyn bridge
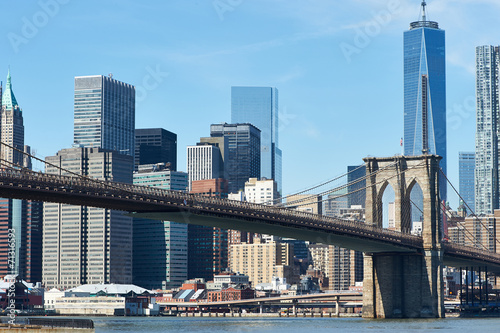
403,273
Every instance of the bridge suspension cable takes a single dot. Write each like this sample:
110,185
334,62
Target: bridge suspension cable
478,219
359,189
315,186
80,176
336,189
467,234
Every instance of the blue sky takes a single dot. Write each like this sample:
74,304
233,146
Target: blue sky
338,66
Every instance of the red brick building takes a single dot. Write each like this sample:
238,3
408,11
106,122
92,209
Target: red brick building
231,294
192,284
210,187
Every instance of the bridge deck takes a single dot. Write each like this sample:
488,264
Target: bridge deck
182,207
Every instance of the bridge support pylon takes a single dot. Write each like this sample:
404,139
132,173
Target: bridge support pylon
404,285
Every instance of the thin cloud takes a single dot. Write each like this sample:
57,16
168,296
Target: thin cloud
253,47
312,131
290,76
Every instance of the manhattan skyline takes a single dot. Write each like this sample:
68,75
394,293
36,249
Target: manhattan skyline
184,56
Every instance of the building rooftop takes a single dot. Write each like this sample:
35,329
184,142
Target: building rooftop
424,24
115,289
8,99
8,279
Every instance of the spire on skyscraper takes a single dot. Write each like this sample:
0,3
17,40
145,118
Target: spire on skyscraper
423,11
8,99
423,22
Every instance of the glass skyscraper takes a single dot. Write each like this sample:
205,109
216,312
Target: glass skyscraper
354,175
160,251
243,159
259,107
155,145
487,129
104,114
466,167
425,92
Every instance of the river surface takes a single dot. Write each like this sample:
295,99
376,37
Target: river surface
291,325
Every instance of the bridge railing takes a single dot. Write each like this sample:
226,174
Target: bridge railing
467,251
198,201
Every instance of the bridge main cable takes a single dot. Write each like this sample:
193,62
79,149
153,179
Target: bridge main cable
490,233
317,186
360,189
336,189
88,178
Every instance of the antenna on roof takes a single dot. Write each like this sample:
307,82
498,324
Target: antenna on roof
424,18
111,74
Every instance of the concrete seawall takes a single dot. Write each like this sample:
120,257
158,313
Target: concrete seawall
40,329
12,328
267,315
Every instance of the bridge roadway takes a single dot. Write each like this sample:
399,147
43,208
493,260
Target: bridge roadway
154,203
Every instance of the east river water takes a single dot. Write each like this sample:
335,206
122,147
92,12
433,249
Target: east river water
291,325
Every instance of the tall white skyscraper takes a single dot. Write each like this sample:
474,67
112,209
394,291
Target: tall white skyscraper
203,162
487,129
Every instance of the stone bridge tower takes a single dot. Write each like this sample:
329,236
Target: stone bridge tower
404,285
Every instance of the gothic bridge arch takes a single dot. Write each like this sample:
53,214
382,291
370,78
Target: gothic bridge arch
403,173
404,285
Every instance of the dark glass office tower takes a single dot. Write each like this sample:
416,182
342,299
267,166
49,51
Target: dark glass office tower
466,167
242,159
355,175
155,145
160,248
259,106
425,91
